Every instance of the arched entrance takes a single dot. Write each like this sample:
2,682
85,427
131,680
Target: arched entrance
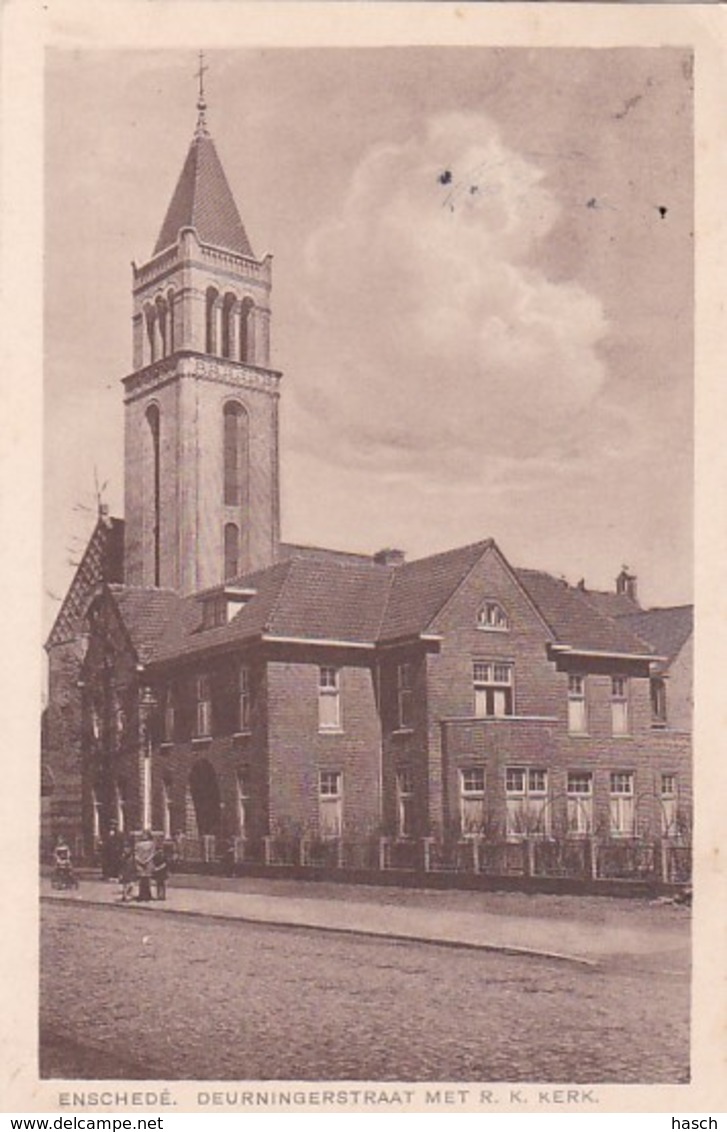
206,797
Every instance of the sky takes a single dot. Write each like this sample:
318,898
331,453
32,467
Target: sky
482,291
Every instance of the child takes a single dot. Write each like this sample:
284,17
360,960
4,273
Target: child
127,874
159,872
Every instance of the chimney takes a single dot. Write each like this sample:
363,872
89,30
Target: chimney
626,584
390,557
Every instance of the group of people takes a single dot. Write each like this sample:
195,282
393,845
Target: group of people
137,865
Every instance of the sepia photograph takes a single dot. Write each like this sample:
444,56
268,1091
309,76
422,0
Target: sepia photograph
366,751
363,756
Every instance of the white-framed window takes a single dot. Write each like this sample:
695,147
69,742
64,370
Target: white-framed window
203,722
96,814
493,688
169,715
166,809
404,802
242,783
330,803
120,807
492,616
329,699
526,801
577,715
472,800
619,705
622,812
657,687
244,698
404,692
669,799
579,802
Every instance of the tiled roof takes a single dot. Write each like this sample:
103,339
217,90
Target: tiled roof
574,621
666,630
103,561
202,200
331,600
146,614
422,587
611,604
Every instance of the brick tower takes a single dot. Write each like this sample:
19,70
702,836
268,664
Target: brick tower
201,406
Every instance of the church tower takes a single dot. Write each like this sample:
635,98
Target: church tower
201,406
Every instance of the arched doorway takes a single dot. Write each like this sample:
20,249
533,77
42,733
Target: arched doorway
206,797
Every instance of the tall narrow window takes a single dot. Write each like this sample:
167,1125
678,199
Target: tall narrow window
619,705
668,805
405,715
580,803
243,719
228,325
658,701
170,333
211,303
168,729
492,688
96,814
243,802
472,800
329,705
153,421
622,804
120,806
330,803
203,728
235,453
577,722
404,802
246,323
232,551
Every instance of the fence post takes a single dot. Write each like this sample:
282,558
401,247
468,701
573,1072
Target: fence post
663,858
593,857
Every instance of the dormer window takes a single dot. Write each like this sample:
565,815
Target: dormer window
492,617
220,606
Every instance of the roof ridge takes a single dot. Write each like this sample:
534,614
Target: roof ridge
483,543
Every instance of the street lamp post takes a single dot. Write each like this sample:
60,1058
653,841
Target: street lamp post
147,704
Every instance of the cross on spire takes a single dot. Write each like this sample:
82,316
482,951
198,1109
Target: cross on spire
201,104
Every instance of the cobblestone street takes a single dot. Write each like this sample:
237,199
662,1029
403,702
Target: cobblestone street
130,994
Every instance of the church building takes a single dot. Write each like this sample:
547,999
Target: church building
239,694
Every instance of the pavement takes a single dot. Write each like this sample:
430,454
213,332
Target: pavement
428,920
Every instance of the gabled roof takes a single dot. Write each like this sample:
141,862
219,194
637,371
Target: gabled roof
666,630
296,550
145,613
574,621
103,561
611,604
202,200
421,588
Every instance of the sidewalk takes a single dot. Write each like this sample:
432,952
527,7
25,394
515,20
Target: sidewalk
555,937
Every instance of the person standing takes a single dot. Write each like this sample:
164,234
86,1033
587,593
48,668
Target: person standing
160,870
144,857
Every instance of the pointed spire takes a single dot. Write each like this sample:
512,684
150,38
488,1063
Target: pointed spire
201,129
202,199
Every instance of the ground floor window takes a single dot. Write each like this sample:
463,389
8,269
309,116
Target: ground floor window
404,802
622,813
243,802
526,799
472,800
330,803
668,805
579,803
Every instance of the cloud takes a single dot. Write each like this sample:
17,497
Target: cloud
435,338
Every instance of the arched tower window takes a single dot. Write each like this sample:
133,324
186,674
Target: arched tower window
161,309
228,325
232,550
235,453
170,324
150,320
246,338
211,336
153,421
